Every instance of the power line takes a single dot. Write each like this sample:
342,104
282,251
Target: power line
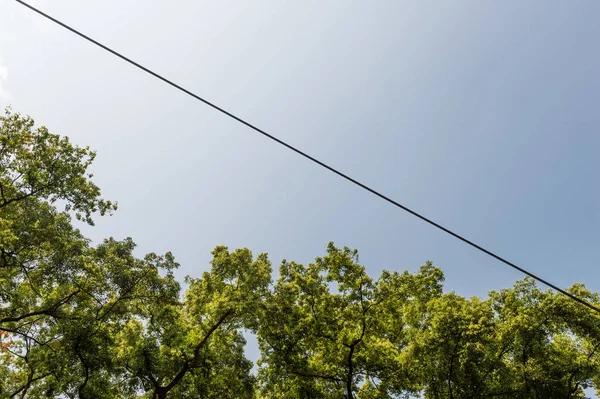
311,158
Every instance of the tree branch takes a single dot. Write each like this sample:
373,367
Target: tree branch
162,391
47,312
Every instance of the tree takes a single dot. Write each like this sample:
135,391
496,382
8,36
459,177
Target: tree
551,342
459,350
330,331
98,322
59,297
519,343
194,348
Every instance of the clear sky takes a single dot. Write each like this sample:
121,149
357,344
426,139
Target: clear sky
483,115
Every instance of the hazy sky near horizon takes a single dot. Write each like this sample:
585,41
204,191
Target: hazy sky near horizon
482,115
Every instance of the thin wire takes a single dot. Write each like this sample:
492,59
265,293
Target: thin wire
311,158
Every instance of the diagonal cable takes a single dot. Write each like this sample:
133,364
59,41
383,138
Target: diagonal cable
313,159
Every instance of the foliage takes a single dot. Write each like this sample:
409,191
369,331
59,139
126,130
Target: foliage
79,320
194,348
316,342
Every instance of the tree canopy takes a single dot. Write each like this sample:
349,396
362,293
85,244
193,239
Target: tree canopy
85,320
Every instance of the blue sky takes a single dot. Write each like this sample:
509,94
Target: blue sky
481,115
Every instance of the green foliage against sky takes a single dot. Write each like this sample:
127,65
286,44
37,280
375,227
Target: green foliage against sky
79,320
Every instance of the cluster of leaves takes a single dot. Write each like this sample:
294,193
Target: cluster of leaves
334,332
85,321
